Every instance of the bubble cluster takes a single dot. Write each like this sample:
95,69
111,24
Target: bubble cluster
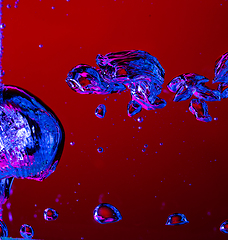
134,69
191,84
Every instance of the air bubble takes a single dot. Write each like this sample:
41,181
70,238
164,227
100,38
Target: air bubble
100,149
26,231
140,119
176,219
106,213
50,214
224,227
3,229
2,26
100,111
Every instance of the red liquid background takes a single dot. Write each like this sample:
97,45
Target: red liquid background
185,36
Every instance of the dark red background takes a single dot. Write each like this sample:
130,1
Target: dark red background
187,174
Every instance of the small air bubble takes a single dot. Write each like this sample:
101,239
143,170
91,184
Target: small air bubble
3,25
100,149
72,143
26,231
140,119
8,6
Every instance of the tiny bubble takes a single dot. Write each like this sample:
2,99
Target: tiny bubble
140,119
72,143
215,119
143,150
139,127
100,149
10,216
8,6
8,205
161,144
40,46
52,7
3,25
146,145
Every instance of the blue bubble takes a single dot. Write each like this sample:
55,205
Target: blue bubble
100,111
106,213
224,227
50,214
134,69
100,149
26,231
176,219
3,229
140,119
32,136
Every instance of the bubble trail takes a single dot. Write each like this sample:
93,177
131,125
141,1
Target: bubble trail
100,111
26,231
189,84
50,214
1,52
133,69
176,219
106,213
224,227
